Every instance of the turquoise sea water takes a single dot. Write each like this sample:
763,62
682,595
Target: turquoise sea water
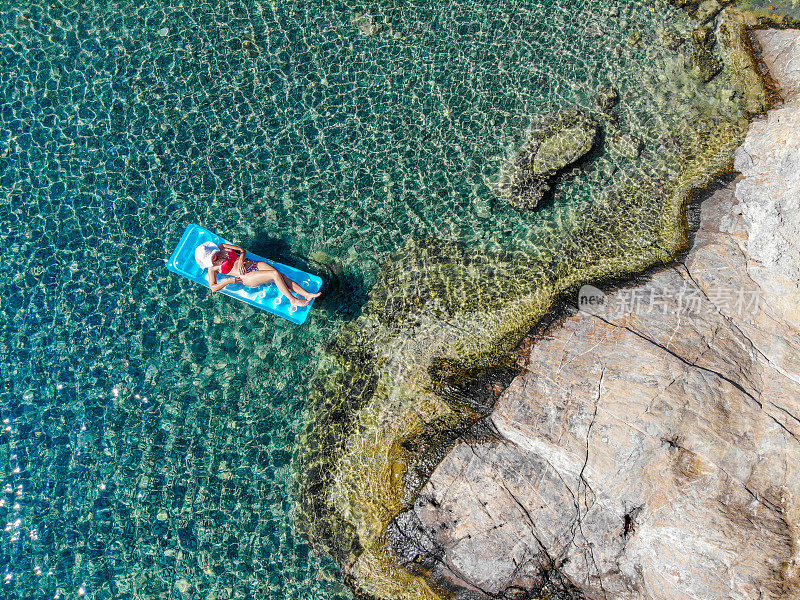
148,426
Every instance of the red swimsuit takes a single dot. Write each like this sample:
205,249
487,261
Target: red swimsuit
226,267
233,256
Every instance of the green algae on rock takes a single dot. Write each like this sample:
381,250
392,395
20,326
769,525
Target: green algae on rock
559,141
705,65
624,143
383,408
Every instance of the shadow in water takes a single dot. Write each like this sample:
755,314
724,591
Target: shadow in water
343,293
272,248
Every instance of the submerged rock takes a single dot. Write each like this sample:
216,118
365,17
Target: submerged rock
672,39
606,99
559,141
740,61
703,37
708,9
705,65
366,24
625,144
634,39
702,10
593,30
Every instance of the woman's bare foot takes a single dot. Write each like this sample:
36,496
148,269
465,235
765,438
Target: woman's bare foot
310,296
294,301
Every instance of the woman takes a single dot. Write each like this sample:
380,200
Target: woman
227,258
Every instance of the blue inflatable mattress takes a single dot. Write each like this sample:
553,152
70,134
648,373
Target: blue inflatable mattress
265,297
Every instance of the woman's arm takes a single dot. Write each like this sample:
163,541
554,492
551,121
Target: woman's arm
217,286
233,247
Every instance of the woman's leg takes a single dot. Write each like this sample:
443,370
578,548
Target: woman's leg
271,275
297,288
257,278
292,285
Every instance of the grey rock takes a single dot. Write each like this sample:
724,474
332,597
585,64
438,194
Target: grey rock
781,54
641,449
770,161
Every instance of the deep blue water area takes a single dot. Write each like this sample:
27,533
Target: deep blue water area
148,426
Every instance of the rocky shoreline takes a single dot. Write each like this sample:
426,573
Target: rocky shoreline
433,347
651,446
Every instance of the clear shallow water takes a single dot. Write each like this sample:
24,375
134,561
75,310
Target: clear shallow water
150,426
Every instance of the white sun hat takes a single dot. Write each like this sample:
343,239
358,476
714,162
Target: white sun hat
204,254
